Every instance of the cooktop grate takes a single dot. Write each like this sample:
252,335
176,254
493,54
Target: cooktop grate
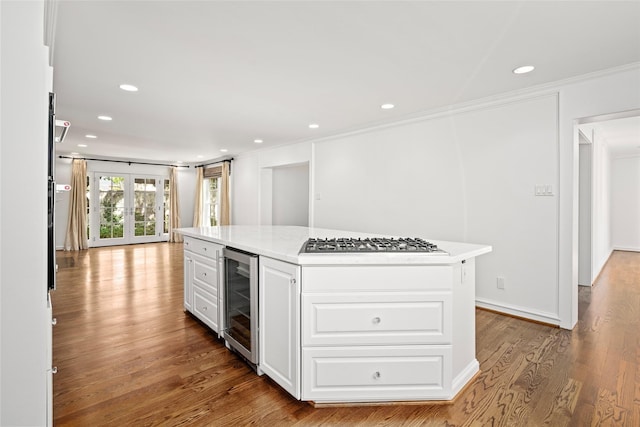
369,244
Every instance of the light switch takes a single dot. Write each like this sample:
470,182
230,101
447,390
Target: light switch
544,190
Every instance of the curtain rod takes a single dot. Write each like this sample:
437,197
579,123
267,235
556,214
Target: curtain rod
214,163
124,161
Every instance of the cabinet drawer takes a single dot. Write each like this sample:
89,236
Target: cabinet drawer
376,373
207,249
376,319
205,308
205,273
376,278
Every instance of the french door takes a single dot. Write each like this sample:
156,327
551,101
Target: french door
127,208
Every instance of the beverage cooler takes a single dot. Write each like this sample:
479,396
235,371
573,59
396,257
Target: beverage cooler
241,303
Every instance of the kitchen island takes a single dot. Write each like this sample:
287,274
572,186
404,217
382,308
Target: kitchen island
346,327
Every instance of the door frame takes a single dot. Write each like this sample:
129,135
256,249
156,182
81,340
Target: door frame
129,225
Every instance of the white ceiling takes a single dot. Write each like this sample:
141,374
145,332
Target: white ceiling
218,74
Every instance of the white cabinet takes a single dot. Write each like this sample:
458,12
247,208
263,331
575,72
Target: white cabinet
202,281
279,313
188,274
376,318
380,333
376,373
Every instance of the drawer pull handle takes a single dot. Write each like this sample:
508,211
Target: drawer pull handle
204,274
376,320
376,375
204,308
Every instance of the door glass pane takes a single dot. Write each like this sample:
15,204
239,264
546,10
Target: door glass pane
88,192
111,199
166,205
144,196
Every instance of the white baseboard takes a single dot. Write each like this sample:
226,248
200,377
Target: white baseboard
620,248
539,316
461,380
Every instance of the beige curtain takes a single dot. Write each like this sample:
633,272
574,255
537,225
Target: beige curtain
76,238
174,213
197,209
223,193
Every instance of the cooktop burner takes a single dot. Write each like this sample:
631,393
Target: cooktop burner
373,244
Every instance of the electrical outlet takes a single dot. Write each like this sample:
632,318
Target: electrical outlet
500,282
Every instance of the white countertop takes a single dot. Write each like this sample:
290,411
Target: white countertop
284,243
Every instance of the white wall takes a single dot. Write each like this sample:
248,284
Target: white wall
404,180
290,195
25,321
625,203
601,206
468,176
532,140
245,182
186,188
584,216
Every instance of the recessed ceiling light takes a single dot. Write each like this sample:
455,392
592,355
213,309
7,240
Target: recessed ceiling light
128,88
314,126
105,118
199,156
223,150
90,136
524,69
387,106
257,141
74,153
82,145
179,161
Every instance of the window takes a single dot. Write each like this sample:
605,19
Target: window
210,195
166,206
211,207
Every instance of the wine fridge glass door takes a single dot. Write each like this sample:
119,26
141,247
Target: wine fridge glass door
241,303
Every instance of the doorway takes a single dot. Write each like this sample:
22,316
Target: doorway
608,145
284,195
127,208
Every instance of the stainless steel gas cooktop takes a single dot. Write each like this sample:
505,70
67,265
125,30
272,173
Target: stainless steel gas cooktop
372,244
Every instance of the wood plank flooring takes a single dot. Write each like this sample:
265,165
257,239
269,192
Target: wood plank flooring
127,355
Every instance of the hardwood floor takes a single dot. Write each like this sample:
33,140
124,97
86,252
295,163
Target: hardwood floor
127,355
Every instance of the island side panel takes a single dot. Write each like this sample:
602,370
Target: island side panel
465,364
